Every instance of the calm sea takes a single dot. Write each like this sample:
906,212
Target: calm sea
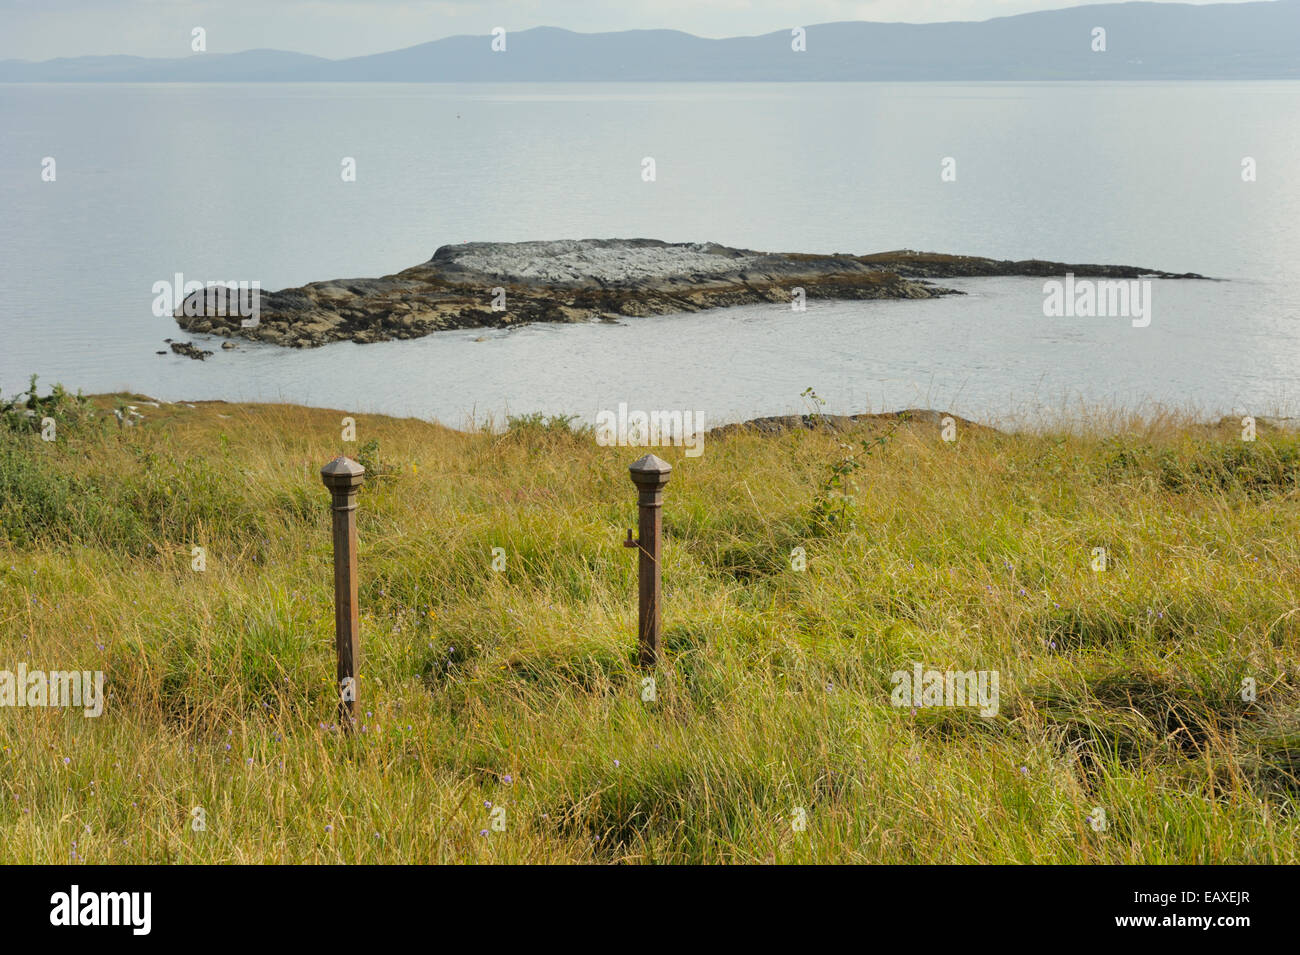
242,182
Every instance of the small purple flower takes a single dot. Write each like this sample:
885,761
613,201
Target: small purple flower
329,828
507,779
483,832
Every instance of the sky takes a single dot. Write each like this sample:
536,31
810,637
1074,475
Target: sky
43,29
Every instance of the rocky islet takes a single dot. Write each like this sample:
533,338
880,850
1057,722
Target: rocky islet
503,284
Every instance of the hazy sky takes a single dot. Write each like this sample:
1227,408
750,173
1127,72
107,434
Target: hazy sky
41,29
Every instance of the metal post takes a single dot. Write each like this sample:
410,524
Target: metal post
650,474
344,478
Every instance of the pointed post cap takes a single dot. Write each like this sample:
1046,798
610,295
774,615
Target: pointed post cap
342,474
650,471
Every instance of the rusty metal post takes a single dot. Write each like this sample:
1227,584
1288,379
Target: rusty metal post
344,478
650,474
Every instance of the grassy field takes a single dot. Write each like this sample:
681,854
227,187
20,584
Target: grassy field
1120,689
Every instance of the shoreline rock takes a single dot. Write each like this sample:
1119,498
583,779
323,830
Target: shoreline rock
464,286
189,350
780,424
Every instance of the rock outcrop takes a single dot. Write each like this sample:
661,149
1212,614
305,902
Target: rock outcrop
780,424
499,284
190,350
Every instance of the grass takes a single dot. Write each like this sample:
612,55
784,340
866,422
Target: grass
517,689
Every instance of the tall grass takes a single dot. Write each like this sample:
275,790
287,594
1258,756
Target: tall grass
1120,689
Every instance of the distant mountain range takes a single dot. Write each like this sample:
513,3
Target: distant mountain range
1157,41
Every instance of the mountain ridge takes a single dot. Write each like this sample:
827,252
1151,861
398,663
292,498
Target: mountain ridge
1144,40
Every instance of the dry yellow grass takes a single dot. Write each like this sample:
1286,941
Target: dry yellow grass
1120,689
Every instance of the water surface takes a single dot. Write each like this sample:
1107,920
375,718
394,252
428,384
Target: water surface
241,182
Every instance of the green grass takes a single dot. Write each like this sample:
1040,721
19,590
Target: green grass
1120,689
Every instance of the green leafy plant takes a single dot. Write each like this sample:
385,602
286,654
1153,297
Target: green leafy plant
833,505
24,411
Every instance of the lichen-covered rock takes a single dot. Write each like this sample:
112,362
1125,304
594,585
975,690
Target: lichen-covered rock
500,284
